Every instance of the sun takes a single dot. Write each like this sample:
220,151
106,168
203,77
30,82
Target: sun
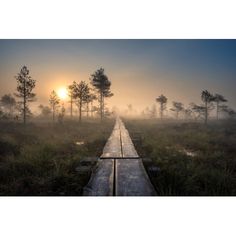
62,93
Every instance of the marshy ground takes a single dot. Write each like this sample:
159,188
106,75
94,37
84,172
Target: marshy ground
188,159
43,159
181,159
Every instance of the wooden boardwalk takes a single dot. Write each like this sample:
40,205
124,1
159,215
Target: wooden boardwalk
120,171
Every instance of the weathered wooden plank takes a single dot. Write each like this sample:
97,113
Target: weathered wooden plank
128,149
131,179
113,147
119,177
102,180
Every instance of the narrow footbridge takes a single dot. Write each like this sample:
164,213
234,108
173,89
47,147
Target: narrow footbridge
119,171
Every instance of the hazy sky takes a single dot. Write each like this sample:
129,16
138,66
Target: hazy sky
140,70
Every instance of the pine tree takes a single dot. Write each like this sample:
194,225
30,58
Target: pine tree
54,102
218,99
207,98
25,85
81,94
72,96
8,103
177,108
102,84
163,101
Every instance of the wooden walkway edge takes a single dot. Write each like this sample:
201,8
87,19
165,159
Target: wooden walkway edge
119,171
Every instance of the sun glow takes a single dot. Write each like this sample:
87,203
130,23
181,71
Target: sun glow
62,93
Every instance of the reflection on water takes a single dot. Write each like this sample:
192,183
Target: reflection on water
79,143
189,153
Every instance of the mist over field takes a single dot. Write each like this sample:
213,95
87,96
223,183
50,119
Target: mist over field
140,70
117,117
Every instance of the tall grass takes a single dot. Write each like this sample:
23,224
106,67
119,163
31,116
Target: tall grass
211,171
41,158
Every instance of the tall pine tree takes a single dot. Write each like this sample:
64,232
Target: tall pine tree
25,86
102,84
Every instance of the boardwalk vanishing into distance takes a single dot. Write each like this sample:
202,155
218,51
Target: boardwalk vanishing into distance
120,171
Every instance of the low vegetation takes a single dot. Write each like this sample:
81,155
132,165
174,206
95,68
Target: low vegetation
42,158
188,159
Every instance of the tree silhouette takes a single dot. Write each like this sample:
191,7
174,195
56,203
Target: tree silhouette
218,99
61,115
130,109
207,98
81,94
25,85
223,108
231,113
92,108
72,96
177,108
198,110
8,102
88,99
54,102
102,84
45,110
163,101
187,113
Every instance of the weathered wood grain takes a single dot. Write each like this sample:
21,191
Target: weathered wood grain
119,177
131,179
102,180
113,147
128,149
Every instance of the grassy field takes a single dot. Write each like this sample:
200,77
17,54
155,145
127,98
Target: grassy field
182,159
188,159
43,159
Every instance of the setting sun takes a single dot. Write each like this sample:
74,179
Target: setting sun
62,93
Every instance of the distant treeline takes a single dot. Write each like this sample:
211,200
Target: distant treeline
194,111
80,94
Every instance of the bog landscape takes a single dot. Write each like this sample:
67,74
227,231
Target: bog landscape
117,118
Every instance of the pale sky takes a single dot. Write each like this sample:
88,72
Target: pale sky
140,70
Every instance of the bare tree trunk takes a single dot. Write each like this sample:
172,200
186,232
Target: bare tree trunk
24,112
71,108
206,113
101,108
87,109
80,110
53,114
24,106
91,108
161,111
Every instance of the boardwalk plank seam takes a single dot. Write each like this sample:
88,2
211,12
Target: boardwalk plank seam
120,171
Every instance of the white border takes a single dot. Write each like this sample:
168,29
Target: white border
117,216
117,19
